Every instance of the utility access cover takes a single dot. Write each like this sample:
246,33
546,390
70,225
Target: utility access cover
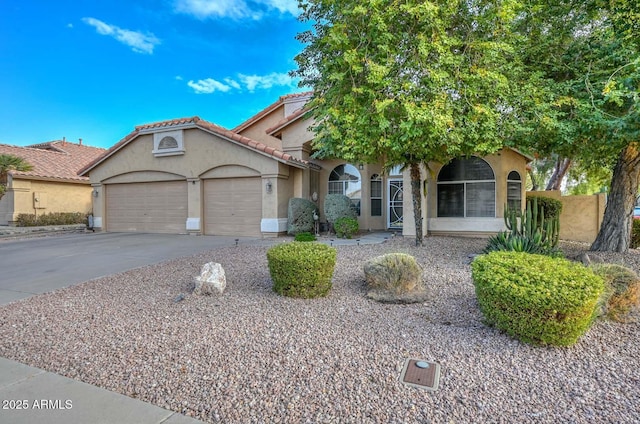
421,374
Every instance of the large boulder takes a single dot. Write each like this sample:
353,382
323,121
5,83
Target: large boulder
211,280
394,278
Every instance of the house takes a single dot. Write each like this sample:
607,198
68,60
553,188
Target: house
192,176
53,185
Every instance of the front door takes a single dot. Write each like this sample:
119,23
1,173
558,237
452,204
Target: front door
394,211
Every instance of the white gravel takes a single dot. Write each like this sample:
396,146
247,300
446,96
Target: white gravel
253,356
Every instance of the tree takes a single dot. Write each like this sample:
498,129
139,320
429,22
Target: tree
588,57
410,82
11,163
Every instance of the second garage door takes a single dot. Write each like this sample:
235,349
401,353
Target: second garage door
233,206
156,207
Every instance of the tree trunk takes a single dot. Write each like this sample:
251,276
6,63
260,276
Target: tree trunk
416,195
534,180
615,232
562,166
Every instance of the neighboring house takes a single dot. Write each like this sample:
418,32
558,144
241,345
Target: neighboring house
192,176
53,185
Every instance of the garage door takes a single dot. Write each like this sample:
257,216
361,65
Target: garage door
147,207
233,206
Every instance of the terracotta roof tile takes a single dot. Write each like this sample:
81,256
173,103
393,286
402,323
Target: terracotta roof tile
196,122
55,160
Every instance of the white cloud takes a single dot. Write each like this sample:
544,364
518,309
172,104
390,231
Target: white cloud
235,9
248,82
208,86
251,82
179,77
139,42
70,26
283,6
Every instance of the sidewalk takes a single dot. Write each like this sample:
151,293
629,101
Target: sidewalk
31,395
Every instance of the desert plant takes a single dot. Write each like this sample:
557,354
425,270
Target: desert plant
548,207
622,292
398,273
536,298
301,269
305,237
527,232
300,215
346,227
337,206
635,234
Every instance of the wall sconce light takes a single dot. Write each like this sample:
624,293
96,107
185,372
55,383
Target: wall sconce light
95,192
269,186
361,167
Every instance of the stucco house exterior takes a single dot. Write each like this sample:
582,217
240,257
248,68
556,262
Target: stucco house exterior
53,185
191,176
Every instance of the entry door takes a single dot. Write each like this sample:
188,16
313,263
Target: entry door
394,211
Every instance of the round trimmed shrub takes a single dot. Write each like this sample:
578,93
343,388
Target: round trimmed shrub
300,215
622,292
301,269
536,299
346,227
305,237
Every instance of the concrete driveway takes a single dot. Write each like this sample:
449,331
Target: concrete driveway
39,265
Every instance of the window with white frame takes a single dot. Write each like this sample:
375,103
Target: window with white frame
466,188
345,179
514,190
376,195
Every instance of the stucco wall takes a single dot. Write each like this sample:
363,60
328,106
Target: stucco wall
53,197
205,156
257,130
581,216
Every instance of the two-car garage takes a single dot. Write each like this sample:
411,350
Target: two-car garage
232,206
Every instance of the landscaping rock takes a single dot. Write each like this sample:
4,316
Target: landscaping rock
211,280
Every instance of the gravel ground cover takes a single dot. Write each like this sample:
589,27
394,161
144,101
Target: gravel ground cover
253,356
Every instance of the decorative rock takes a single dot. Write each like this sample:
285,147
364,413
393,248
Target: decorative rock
211,280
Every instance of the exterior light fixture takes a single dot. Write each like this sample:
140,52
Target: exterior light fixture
269,186
95,193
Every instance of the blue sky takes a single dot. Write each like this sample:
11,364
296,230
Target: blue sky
95,69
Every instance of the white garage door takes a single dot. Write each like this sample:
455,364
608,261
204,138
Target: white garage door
233,206
159,207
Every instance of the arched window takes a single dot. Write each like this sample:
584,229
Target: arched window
168,143
467,188
514,190
376,195
345,179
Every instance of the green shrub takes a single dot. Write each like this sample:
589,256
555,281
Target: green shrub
346,227
535,298
506,241
635,234
305,237
337,206
552,207
301,269
622,292
300,216
52,218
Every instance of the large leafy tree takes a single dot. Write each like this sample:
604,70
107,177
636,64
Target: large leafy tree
11,163
409,82
587,54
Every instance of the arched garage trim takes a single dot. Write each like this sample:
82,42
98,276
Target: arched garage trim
143,177
230,171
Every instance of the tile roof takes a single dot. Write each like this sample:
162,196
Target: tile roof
287,120
54,160
196,122
281,101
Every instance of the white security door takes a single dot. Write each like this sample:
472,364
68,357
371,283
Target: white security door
395,196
